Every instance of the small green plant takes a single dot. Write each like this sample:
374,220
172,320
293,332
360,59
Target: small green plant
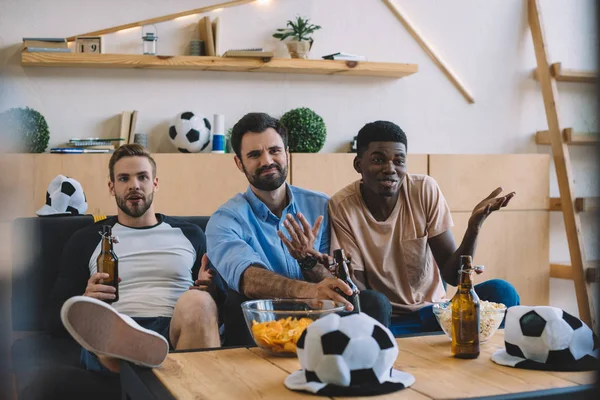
306,130
27,127
299,30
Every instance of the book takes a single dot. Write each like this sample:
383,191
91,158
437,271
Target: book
216,34
91,143
206,34
47,50
77,150
39,42
134,115
345,56
96,139
92,146
43,39
125,126
248,54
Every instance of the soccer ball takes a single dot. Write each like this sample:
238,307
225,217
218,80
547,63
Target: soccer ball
351,350
64,196
190,133
546,335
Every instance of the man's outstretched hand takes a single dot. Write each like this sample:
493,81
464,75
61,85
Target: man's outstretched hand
205,276
487,206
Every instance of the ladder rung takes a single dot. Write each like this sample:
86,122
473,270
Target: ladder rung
569,75
564,271
582,204
569,137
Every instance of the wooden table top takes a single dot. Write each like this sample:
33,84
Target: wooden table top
251,373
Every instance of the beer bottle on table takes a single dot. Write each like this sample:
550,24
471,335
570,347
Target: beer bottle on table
108,262
341,271
465,314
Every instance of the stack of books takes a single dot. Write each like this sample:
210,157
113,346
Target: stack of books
88,145
249,53
345,56
46,45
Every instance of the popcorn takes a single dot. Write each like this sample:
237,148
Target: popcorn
491,315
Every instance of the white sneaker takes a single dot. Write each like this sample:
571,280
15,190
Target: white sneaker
98,328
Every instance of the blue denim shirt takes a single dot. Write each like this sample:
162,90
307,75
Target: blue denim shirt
243,232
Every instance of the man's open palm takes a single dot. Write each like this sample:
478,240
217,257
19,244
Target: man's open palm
487,206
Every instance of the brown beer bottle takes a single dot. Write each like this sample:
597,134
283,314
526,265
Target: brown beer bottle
108,262
341,271
465,314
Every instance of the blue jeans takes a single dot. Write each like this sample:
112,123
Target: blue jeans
159,325
423,320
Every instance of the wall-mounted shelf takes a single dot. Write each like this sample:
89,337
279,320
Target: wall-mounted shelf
280,65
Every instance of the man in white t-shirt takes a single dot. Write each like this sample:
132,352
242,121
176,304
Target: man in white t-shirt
167,290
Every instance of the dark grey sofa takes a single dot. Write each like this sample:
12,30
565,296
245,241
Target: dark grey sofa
46,365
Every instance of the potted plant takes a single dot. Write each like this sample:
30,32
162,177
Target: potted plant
306,130
26,130
300,31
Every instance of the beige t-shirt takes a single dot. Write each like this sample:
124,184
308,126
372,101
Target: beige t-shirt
394,254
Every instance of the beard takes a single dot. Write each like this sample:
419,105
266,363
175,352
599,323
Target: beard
269,182
138,210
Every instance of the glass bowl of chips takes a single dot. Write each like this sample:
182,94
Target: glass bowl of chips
276,325
490,317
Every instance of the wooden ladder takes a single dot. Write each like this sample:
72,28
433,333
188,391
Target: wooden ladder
582,274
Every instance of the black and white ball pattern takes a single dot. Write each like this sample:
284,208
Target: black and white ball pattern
347,351
547,336
190,133
64,196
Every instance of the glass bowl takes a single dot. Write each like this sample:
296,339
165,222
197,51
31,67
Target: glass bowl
491,316
276,325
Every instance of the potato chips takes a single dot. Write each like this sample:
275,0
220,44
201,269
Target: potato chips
280,336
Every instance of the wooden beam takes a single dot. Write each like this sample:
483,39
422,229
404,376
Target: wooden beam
561,271
427,48
555,204
564,271
570,75
582,204
164,18
569,137
562,162
587,204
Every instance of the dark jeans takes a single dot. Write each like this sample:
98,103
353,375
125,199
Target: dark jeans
372,303
496,290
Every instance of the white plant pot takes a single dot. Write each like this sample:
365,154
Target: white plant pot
298,49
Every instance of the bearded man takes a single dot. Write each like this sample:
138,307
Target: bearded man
160,259
273,240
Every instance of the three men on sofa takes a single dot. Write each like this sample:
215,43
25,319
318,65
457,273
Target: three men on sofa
273,240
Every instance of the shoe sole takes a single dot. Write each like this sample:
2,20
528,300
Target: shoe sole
103,332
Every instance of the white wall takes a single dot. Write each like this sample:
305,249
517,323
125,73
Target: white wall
487,43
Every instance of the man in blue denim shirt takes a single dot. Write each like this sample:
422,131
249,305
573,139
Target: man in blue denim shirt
246,240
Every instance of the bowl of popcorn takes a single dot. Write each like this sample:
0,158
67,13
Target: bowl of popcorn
490,318
276,325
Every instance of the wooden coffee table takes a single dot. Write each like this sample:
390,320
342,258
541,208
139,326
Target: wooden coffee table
251,373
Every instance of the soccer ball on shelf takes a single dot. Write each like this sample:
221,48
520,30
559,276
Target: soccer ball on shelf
190,133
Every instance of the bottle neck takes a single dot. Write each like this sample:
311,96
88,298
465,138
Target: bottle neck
465,281
106,244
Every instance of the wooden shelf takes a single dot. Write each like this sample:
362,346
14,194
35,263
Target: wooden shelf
280,65
582,204
569,137
570,75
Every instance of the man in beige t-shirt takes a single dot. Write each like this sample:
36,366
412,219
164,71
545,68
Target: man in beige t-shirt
396,228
